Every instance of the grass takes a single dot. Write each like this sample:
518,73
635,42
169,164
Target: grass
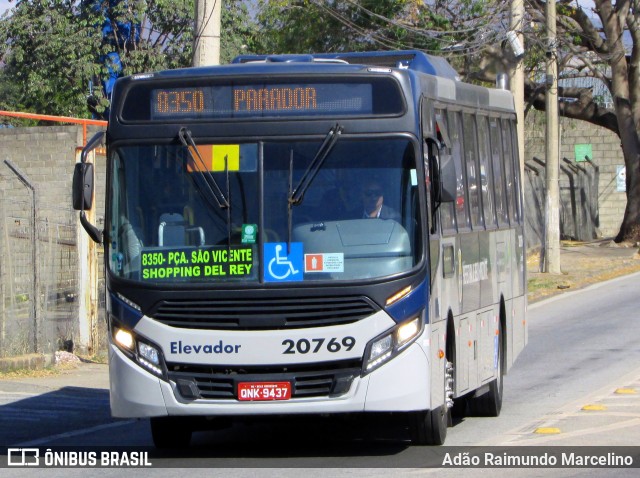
577,275
49,371
537,284
53,370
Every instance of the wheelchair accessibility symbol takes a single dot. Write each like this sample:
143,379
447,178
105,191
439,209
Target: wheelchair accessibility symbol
280,266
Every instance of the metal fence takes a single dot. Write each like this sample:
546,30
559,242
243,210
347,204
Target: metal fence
579,213
39,278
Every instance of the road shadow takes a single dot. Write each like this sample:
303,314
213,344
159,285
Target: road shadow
82,416
359,440
24,420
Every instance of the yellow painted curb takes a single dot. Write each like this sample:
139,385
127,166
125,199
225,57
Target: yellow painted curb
547,431
625,391
594,407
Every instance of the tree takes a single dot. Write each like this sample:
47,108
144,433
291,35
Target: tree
602,44
46,47
305,26
239,32
54,49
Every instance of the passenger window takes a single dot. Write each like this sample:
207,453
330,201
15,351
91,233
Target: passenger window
508,169
518,181
447,209
473,175
498,171
486,178
455,136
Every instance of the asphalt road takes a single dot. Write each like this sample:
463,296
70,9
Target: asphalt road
583,348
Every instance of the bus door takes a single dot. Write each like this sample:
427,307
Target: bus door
437,307
449,215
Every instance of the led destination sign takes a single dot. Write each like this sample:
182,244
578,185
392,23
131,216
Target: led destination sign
275,100
189,264
247,97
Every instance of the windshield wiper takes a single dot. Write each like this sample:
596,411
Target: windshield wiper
187,140
296,195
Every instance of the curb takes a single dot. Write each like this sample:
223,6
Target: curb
590,287
25,362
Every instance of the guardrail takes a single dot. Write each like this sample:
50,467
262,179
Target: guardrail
58,119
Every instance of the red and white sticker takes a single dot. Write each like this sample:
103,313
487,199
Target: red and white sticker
327,262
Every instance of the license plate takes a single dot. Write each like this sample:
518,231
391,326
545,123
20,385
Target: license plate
261,391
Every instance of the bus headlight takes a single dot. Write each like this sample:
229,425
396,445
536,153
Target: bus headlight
124,339
149,358
149,353
383,348
408,331
145,354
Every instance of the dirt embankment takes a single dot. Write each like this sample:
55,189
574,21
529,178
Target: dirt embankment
582,264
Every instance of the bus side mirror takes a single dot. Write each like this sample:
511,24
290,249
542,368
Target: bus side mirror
83,187
82,193
448,183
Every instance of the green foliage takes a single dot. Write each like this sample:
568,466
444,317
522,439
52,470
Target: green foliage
457,29
8,96
238,30
308,26
48,56
53,49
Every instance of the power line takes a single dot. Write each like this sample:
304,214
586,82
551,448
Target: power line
489,33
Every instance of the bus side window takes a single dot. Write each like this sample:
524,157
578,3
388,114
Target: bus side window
508,169
447,209
455,136
486,178
473,175
498,172
429,178
432,164
516,169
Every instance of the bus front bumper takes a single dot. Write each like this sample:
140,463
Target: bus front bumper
399,385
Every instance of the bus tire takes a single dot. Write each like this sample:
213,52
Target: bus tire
429,427
489,404
170,432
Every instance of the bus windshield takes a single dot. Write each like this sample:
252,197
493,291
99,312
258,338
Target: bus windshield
223,212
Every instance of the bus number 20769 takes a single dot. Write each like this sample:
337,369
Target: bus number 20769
305,346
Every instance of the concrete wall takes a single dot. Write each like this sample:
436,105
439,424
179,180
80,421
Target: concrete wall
46,155
39,321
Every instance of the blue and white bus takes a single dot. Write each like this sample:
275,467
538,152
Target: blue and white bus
310,234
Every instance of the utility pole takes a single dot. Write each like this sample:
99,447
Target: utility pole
206,38
552,213
517,76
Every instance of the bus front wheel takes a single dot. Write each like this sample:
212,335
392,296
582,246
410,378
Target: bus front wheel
170,432
429,427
